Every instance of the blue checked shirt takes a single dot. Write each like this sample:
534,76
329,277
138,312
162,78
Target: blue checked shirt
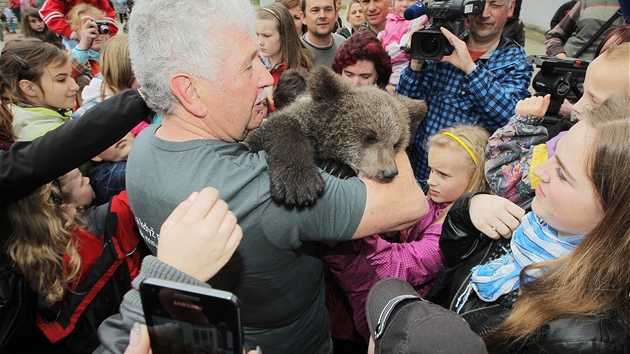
487,96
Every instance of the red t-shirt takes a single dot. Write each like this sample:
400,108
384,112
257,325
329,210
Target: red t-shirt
475,55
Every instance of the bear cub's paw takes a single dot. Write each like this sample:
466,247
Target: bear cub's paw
296,187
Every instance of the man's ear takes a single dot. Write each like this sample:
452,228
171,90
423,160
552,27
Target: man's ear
302,18
29,88
184,88
512,7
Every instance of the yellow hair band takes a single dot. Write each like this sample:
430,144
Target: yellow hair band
461,142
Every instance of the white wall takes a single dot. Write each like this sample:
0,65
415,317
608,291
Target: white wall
539,12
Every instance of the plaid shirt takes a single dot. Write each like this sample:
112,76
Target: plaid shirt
487,96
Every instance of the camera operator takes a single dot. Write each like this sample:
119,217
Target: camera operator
478,84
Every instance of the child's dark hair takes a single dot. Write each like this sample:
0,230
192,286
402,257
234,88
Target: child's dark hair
47,35
23,59
291,84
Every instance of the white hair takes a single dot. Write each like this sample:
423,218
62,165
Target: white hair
188,37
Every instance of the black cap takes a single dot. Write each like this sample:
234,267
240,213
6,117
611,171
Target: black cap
400,321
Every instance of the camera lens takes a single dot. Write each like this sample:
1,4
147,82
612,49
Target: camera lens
104,29
430,45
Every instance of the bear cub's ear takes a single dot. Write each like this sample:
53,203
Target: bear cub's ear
417,109
325,85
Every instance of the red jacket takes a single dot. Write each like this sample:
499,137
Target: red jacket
14,4
53,13
102,257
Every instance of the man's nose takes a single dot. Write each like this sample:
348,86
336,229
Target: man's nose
486,11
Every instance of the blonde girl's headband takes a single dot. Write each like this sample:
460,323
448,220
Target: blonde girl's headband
273,13
461,142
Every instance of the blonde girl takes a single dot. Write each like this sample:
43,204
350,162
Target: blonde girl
115,77
85,55
280,46
116,73
42,237
78,265
36,88
116,66
43,243
456,161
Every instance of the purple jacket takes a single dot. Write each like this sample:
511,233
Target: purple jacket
359,264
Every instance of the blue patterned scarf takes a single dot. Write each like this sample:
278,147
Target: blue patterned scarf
532,242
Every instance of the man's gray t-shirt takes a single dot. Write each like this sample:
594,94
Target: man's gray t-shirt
324,55
275,271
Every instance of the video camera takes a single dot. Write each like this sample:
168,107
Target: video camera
430,43
557,77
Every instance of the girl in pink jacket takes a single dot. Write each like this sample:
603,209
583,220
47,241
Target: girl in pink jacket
456,158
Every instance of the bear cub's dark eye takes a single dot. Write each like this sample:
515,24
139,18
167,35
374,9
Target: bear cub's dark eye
369,138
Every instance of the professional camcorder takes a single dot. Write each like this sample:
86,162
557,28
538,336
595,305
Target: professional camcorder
558,77
430,43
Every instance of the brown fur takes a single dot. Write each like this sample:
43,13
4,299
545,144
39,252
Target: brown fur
362,127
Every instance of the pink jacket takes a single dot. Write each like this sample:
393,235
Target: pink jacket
396,33
359,264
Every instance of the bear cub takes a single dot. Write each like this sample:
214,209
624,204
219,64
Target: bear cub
361,127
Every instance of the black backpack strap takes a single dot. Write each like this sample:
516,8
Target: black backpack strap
66,317
599,32
16,298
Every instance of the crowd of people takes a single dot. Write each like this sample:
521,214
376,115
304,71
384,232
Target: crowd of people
122,159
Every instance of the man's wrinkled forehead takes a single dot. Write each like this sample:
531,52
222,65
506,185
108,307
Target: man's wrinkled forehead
498,2
320,3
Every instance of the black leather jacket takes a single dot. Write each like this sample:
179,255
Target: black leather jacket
464,247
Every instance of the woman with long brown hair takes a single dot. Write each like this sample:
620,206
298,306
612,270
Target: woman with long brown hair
562,284
33,26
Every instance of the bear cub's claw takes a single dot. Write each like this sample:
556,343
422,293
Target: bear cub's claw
297,191
336,168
